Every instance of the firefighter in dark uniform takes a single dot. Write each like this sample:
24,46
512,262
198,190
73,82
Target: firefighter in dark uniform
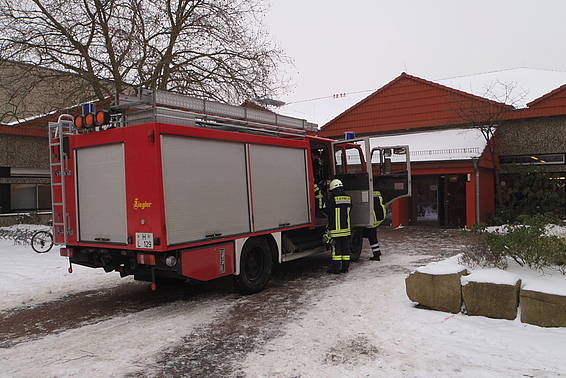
378,215
337,208
320,182
319,198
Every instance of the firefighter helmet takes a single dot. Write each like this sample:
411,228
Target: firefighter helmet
335,184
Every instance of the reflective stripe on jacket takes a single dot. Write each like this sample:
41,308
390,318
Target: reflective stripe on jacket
338,208
319,197
379,210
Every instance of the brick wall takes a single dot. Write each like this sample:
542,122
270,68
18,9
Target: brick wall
23,151
533,136
27,91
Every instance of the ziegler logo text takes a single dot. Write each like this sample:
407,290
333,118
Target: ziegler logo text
139,205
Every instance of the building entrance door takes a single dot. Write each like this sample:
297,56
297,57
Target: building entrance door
452,201
424,202
439,201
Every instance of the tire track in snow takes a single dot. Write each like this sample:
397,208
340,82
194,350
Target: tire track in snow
217,349
76,310
112,347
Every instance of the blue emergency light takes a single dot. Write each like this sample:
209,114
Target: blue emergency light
349,135
89,108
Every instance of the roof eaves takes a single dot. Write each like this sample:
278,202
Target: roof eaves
357,104
45,115
459,92
547,95
422,81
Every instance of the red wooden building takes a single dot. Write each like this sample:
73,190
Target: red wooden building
453,172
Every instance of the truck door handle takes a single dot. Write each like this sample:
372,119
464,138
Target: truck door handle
284,224
213,235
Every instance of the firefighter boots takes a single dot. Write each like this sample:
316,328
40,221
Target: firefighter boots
335,267
376,257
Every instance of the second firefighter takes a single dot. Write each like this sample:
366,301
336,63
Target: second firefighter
338,205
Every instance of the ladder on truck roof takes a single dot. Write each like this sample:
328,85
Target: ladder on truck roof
174,108
59,168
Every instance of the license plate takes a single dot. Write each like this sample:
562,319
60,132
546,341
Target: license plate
144,240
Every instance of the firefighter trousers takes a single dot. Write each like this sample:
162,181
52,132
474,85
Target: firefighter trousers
340,254
371,235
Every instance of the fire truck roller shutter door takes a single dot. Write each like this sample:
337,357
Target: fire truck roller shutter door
205,188
280,186
102,193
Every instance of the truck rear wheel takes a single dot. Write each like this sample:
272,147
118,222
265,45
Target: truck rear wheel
356,240
256,262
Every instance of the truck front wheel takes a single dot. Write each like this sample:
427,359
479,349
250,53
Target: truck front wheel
255,266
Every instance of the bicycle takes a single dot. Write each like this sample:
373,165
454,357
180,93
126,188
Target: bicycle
42,241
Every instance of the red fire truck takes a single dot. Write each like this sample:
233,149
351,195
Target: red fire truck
166,186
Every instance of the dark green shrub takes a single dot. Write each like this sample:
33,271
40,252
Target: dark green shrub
526,190
478,254
28,218
528,245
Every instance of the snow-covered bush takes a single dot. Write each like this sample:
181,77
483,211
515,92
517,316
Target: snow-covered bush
478,254
529,244
29,218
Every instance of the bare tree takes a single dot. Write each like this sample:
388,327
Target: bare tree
487,113
486,116
217,49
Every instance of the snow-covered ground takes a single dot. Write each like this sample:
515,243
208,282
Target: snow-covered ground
355,325
110,348
366,326
28,278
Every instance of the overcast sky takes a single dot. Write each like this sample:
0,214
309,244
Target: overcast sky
345,46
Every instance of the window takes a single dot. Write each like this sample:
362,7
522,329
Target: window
29,172
43,197
535,159
22,196
30,197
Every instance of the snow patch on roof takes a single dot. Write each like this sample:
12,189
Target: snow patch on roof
525,84
451,144
37,116
322,110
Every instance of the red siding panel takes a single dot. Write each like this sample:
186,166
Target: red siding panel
405,103
409,102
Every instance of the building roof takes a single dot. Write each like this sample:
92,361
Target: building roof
527,84
428,146
450,144
37,125
408,102
531,88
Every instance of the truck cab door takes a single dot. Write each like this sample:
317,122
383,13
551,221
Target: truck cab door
349,162
391,169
